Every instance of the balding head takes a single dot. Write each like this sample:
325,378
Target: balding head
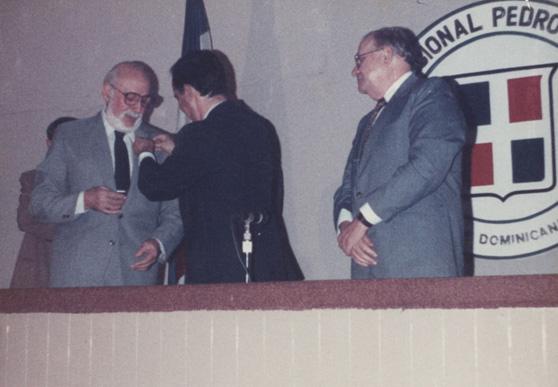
128,89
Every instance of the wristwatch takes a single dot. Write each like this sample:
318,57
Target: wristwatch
363,220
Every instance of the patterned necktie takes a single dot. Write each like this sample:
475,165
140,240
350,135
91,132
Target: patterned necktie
381,103
121,163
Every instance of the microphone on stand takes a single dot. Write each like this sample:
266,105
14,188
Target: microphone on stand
253,217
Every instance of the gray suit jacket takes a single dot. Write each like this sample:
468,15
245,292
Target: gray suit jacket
409,172
95,249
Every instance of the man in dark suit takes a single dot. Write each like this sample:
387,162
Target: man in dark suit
223,167
108,233
398,208
33,261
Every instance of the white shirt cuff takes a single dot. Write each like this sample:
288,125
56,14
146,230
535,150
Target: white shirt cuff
162,258
80,204
369,214
143,155
344,216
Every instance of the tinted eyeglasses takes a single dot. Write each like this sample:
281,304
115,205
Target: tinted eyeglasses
131,99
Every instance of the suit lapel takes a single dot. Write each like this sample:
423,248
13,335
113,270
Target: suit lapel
98,143
360,135
392,106
388,115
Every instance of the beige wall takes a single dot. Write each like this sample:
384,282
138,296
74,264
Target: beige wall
352,347
293,61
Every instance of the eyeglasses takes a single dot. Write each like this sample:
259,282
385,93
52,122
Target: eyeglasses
133,98
358,60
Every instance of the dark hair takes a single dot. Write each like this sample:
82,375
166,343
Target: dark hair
202,70
143,67
403,42
51,128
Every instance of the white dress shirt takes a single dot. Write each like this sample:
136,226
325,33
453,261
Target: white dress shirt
128,140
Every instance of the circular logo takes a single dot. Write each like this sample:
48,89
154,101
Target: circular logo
504,57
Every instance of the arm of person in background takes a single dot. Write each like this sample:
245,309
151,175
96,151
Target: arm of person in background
26,222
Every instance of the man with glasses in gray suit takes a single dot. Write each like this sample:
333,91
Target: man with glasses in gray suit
398,209
108,233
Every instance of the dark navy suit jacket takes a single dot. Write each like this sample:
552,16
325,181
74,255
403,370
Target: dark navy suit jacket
222,168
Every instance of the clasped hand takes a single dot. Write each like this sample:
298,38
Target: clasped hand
355,243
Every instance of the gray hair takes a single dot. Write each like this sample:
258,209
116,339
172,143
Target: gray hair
143,67
403,42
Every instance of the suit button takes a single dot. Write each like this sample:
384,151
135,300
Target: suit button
358,194
112,243
120,216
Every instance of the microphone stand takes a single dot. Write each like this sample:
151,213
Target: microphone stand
247,245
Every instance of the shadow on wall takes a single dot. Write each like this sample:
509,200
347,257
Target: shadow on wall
466,173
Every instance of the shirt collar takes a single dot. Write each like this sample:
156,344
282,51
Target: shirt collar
395,86
212,107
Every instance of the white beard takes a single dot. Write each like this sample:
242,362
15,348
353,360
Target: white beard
117,122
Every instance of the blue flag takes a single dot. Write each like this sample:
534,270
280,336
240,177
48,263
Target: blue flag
196,37
196,28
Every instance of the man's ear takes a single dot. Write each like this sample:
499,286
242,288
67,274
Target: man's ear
387,54
107,92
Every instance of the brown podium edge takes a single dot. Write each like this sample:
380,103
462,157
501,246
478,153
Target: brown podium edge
538,291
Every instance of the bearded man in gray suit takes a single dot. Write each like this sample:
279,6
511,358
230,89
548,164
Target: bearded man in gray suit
398,209
108,233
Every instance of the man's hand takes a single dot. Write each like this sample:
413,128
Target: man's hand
362,252
143,145
164,143
104,200
355,243
149,248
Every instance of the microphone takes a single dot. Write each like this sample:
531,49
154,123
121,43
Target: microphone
255,217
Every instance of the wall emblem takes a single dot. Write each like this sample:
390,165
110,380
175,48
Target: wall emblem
504,56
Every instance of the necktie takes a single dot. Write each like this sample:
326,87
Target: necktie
121,163
381,103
